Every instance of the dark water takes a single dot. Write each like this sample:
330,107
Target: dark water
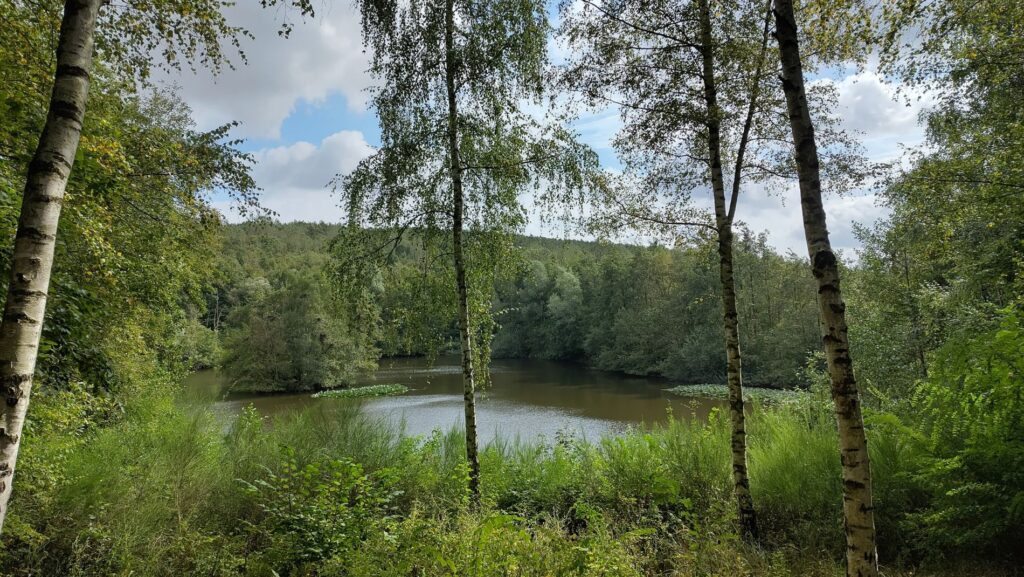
528,399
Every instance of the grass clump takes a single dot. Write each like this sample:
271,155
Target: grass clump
363,392
715,391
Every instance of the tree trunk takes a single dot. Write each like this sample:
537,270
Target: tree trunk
734,367
216,311
723,222
858,510
468,379
34,242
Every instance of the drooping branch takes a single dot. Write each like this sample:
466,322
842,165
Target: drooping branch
648,217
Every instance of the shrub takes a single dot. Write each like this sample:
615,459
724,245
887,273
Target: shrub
971,408
312,512
167,489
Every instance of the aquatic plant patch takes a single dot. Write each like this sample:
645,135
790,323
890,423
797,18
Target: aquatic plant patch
363,392
715,391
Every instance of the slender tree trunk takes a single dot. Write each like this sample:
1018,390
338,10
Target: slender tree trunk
858,510
734,367
915,319
216,312
34,242
723,221
466,338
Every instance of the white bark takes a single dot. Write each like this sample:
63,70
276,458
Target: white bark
458,210
723,223
858,508
34,243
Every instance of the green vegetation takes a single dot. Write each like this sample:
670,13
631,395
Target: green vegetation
560,300
118,474
361,392
291,338
712,391
653,311
283,326
328,492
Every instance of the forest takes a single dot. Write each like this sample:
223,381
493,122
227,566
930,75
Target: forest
897,449
560,300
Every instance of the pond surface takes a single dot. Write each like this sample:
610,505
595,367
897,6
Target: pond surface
529,399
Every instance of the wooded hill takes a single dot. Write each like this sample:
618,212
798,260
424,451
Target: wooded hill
640,310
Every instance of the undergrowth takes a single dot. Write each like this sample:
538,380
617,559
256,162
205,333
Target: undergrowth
327,491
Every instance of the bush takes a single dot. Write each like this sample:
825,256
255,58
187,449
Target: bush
309,513
971,408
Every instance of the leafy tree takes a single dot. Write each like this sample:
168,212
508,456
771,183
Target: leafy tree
652,310
540,314
948,255
457,147
127,34
199,346
296,337
688,78
936,293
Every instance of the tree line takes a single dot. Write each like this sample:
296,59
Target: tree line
638,310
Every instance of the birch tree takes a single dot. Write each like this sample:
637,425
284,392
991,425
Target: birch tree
180,31
687,77
458,149
37,228
858,507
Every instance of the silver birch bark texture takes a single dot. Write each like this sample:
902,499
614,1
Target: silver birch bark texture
723,223
34,242
858,510
466,339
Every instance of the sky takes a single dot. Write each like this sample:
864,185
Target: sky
302,106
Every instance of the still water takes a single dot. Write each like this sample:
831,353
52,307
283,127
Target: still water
529,399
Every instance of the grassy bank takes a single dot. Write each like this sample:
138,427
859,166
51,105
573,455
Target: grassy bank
328,492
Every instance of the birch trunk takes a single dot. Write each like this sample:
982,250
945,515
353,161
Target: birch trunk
34,242
858,510
465,337
723,222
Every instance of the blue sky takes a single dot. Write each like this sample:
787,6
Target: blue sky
302,105
315,121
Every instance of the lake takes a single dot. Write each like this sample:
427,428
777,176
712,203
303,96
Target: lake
529,399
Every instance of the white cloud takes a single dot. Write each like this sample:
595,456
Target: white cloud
295,178
323,56
779,214
598,129
879,114
870,105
